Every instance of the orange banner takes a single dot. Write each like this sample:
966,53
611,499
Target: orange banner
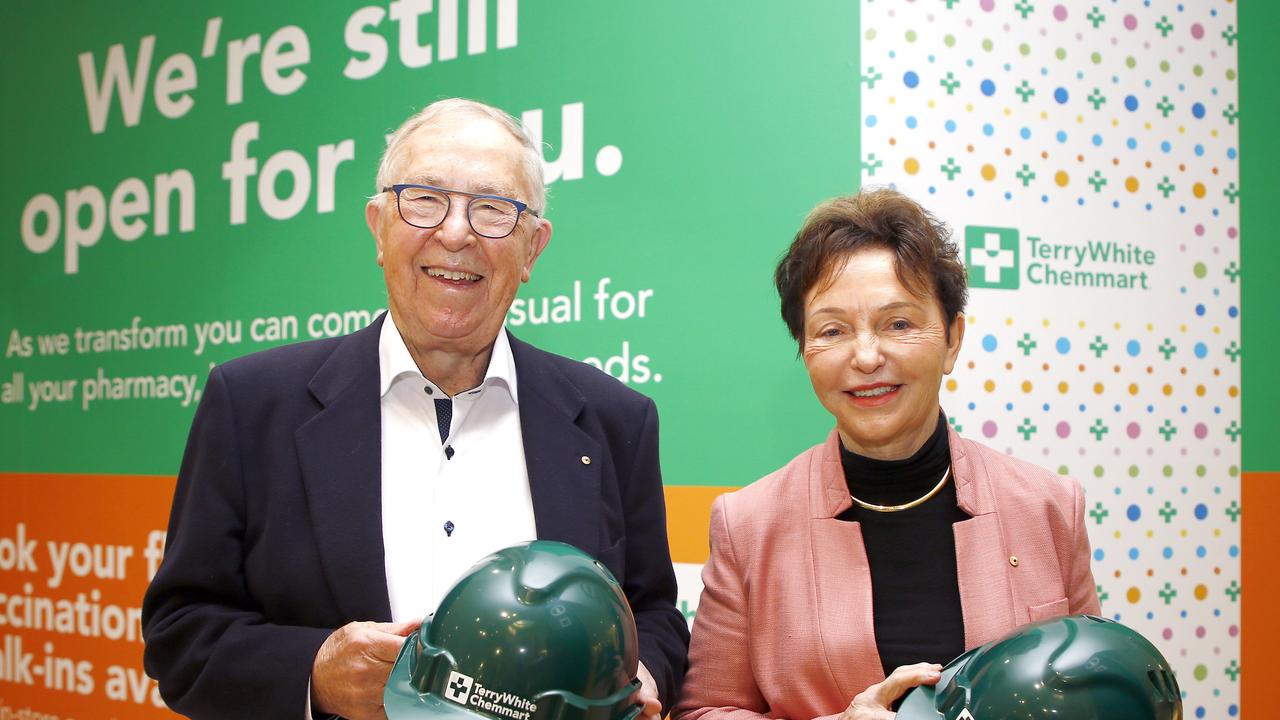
76,553
689,520
1260,628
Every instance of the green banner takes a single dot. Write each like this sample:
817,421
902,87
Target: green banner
187,186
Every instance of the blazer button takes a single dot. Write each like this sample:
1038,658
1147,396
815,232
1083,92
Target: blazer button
586,460
1013,560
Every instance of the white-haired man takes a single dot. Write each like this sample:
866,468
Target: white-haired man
332,490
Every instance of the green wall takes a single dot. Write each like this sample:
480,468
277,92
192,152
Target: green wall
1260,232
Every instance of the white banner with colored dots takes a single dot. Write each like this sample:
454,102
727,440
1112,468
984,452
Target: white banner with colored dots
1086,158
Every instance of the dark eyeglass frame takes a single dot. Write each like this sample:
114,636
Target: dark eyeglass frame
521,208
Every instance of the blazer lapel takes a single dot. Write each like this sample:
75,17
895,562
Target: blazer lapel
842,576
340,453
562,460
982,565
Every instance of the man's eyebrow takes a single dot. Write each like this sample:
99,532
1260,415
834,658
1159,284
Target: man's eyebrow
508,191
483,188
423,180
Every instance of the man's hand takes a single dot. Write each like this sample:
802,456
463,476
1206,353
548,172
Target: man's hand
352,666
646,696
874,702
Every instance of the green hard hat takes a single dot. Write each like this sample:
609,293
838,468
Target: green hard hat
537,631
1069,667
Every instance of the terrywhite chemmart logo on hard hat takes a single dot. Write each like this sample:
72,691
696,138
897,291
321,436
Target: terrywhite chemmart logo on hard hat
964,715
458,688
994,257
464,690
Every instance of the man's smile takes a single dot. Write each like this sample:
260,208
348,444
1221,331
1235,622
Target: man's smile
452,275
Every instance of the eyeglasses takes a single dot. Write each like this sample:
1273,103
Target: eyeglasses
424,206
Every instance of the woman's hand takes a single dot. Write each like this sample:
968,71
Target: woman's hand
874,702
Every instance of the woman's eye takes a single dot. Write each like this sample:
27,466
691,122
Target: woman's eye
900,325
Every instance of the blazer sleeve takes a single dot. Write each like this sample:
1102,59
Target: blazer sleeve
210,647
1082,591
650,582
721,683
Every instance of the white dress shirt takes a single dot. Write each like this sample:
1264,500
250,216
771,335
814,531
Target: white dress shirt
480,490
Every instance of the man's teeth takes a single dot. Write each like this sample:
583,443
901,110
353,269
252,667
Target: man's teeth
451,274
875,392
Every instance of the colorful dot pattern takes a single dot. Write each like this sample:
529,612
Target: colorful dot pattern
1076,122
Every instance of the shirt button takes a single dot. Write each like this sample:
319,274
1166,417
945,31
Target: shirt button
428,390
1013,560
586,460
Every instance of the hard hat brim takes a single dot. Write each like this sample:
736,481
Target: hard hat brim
401,699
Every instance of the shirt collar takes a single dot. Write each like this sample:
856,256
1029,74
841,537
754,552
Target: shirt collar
395,362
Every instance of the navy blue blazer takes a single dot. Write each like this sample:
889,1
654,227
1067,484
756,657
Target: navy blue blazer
275,536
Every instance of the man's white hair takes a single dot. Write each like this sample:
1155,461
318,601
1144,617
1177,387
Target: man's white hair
393,156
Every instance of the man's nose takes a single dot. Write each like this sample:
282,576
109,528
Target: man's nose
454,232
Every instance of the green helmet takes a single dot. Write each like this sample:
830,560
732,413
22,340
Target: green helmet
1069,667
537,631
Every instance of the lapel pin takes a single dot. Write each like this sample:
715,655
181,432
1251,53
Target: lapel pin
448,528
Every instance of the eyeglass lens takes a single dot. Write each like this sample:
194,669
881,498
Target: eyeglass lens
490,217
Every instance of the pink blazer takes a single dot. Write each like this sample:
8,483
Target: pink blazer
784,627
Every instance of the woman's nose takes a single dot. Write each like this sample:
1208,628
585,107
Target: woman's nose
867,357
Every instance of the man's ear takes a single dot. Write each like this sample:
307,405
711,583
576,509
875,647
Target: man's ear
538,241
373,217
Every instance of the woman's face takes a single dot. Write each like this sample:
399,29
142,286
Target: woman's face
876,355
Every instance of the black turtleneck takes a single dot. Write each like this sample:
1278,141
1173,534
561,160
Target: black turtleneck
912,553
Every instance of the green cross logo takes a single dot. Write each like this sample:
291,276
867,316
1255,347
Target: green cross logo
458,688
991,254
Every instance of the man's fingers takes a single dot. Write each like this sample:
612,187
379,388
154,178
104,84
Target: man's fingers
382,641
646,696
384,647
648,689
401,629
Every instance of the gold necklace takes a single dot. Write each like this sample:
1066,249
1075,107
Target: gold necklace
904,506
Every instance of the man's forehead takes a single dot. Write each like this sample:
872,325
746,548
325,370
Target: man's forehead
473,154
475,133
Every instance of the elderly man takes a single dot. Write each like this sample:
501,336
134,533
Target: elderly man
332,490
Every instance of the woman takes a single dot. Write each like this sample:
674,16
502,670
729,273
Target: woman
847,577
